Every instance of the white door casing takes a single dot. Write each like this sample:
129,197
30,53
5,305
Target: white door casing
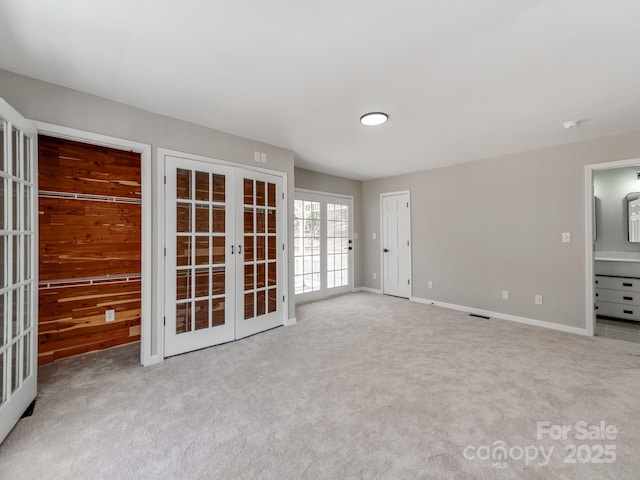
150,330
224,263
18,278
396,243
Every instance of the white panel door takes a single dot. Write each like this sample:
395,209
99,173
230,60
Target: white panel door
396,244
200,256
18,274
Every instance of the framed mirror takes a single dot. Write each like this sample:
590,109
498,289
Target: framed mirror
633,217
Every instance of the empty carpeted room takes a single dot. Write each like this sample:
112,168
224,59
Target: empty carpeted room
319,240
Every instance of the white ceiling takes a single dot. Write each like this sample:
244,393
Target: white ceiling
461,79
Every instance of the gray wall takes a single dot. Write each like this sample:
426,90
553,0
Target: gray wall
610,188
344,186
50,103
495,224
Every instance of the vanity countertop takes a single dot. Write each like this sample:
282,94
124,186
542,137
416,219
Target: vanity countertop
604,256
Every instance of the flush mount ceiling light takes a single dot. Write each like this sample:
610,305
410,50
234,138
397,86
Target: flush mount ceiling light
374,118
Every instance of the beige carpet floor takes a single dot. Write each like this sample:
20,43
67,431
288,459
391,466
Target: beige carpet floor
363,387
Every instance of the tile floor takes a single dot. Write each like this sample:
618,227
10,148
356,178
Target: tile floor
627,330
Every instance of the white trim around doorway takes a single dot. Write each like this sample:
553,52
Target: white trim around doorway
159,287
589,225
389,194
149,328
321,196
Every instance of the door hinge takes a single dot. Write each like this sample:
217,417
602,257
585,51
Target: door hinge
407,204
408,282
165,179
407,243
283,195
164,321
283,246
283,298
165,251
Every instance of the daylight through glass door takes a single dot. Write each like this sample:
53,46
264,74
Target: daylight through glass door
323,245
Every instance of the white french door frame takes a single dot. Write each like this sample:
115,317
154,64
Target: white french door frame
196,339
17,395
589,220
316,195
160,230
149,329
390,194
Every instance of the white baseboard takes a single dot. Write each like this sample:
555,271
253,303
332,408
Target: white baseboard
504,316
367,289
290,321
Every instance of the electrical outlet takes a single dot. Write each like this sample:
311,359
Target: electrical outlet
566,237
375,275
109,315
373,235
429,284
505,294
538,299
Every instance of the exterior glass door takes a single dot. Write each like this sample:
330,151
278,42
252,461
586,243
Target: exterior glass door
323,246
18,276
307,240
339,245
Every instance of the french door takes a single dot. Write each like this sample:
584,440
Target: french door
224,256
323,246
199,307
18,243
260,298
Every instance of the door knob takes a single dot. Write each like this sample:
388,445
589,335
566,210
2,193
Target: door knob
385,250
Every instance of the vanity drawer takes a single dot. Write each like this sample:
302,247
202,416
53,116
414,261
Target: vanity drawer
630,312
618,283
617,296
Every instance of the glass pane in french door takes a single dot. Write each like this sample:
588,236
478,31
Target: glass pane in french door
261,260
338,245
18,333
260,233
199,263
306,233
200,243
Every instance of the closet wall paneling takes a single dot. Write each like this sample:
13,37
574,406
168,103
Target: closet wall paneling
89,247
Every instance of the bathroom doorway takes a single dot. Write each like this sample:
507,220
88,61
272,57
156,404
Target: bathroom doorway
613,240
